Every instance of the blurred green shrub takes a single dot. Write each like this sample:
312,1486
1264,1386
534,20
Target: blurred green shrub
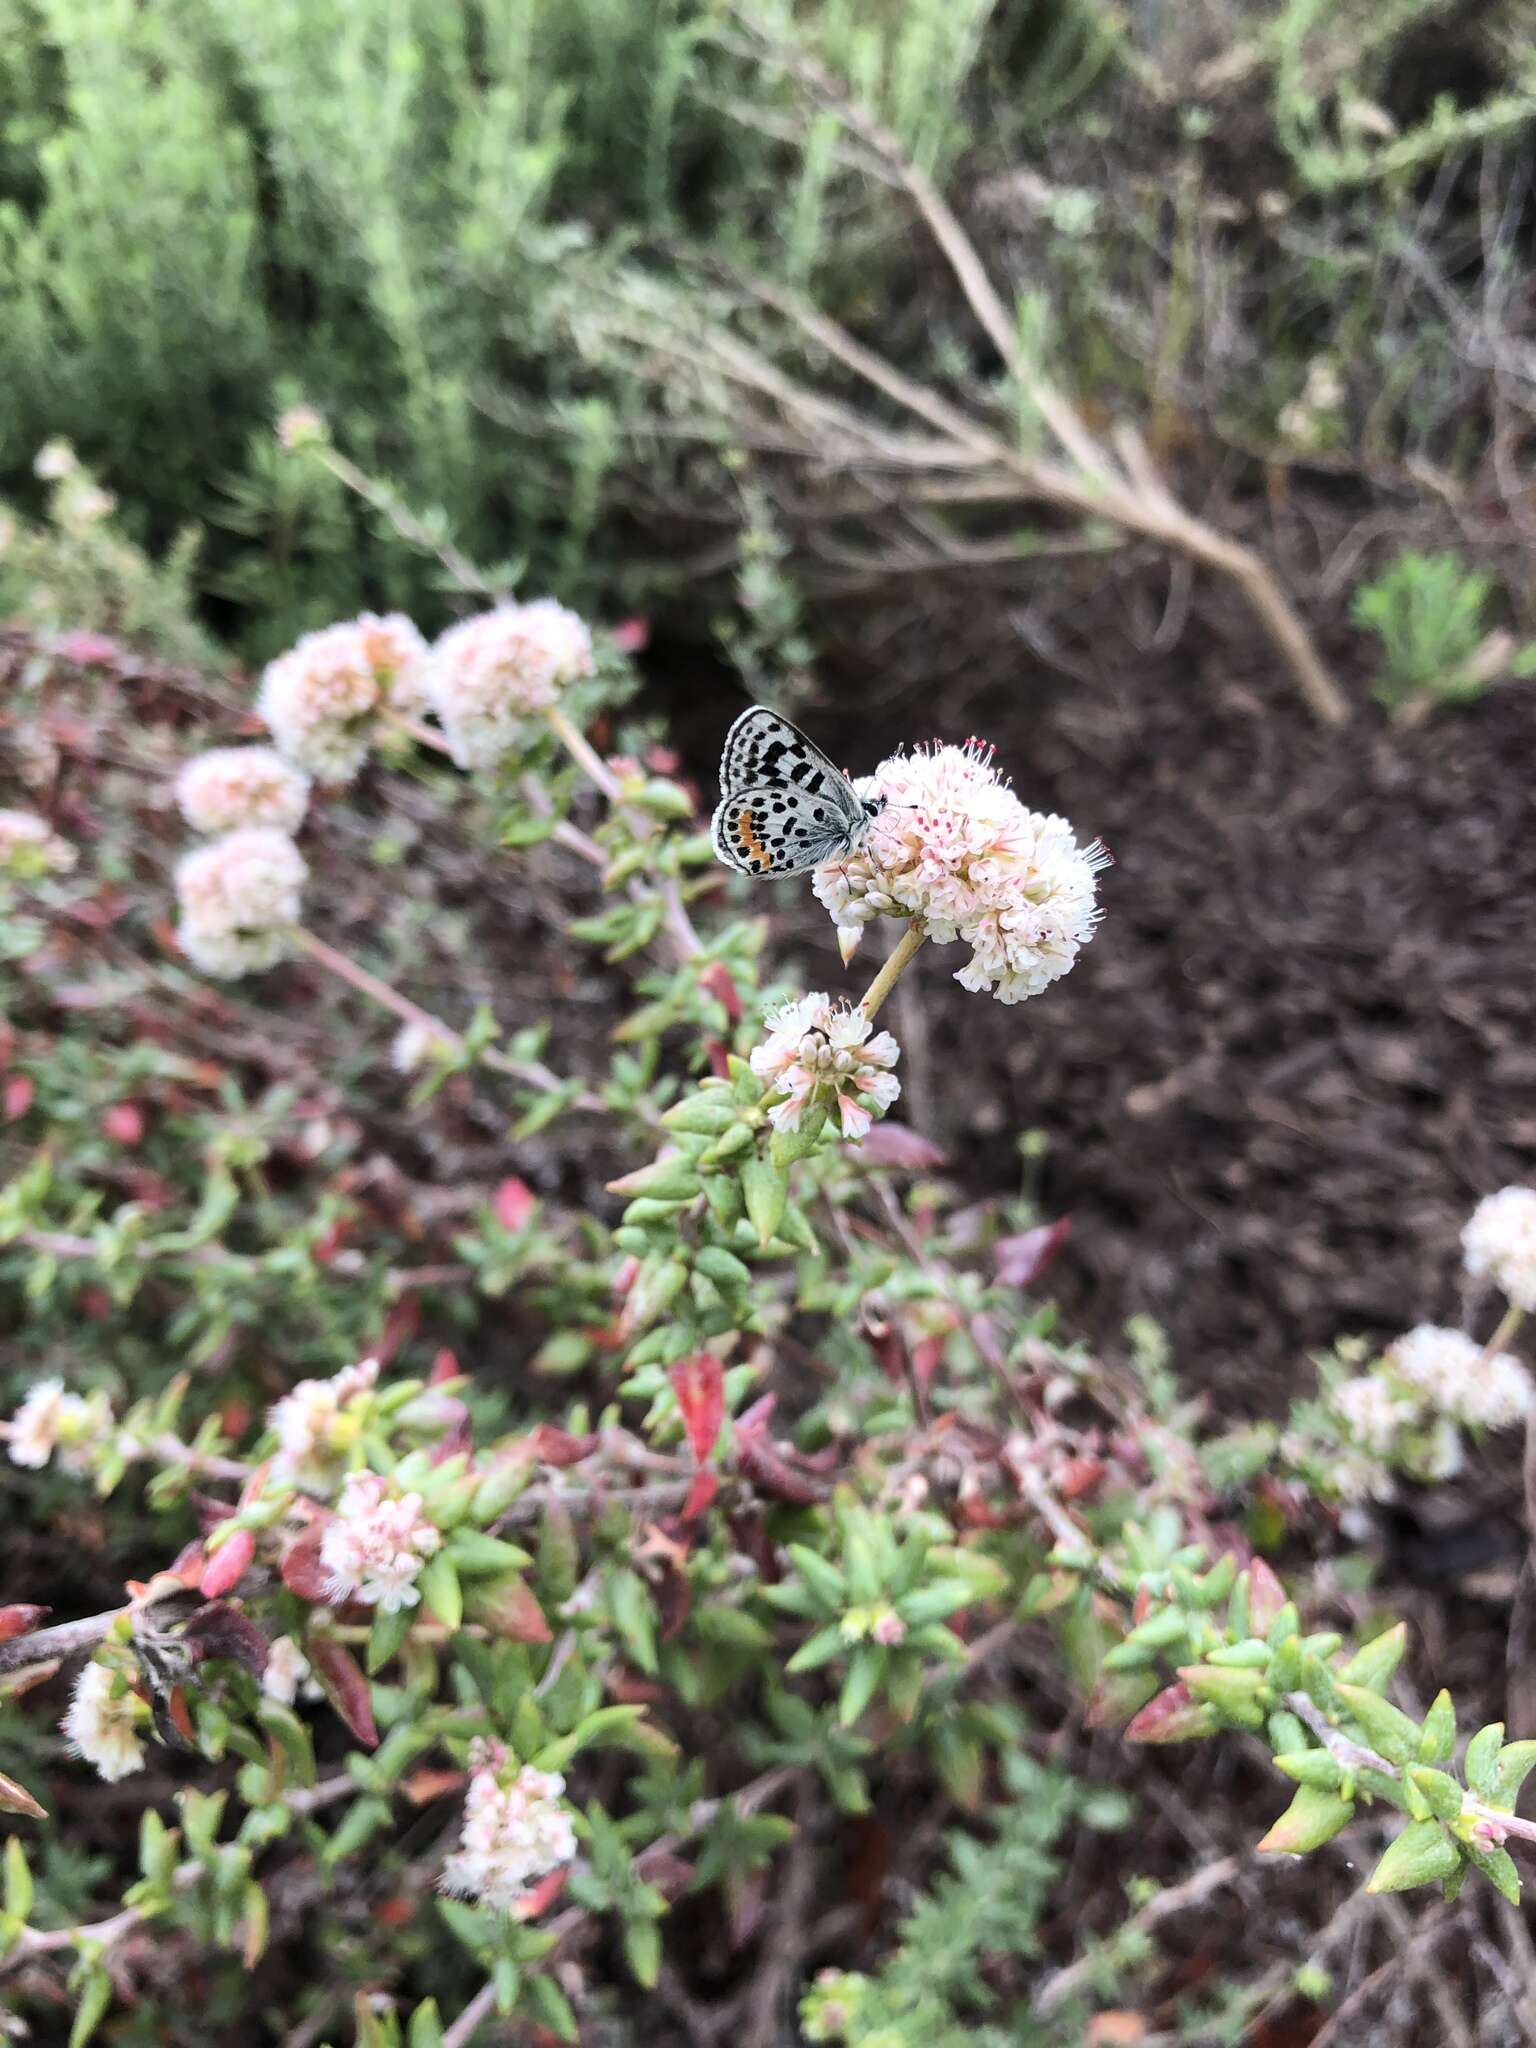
208,214
1429,614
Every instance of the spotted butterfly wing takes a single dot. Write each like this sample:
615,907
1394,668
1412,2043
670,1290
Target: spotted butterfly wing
784,808
761,831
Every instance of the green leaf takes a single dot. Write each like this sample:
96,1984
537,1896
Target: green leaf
765,1189
1441,1794
1421,1854
820,1648
1438,1740
1385,1727
1481,1763
826,1582
1498,1866
634,1617
440,1589
18,1880
386,1637
1516,1759
1313,1817
552,2007
1311,1767
865,1667
1375,1664
91,2010
642,1951
426,2029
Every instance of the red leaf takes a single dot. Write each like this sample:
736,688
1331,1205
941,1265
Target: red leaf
631,635
625,1276
1078,1476
543,1895
228,1565
699,1384
889,1144
345,1686
926,1358
19,1619
719,1056
513,1203
771,1474
508,1608
444,1367
301,1570
400,1325
1019,1261
1174,1716
558,1447
1266,1597
96,1304
16,1097
703,1490
717,979
16,1798
123,1123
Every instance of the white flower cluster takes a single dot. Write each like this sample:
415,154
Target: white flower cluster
822,1052
238,896
285,1671
50,1420
376,1544
320,698
513,1835
30,847
1499,1244
229,787
103,1721
1457,1378
416,1045
955,849
305,1421
490,675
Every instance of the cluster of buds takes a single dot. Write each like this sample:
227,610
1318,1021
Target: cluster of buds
515,1832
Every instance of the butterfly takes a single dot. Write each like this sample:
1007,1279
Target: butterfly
784,809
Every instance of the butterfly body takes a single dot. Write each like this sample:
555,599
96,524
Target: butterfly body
784,808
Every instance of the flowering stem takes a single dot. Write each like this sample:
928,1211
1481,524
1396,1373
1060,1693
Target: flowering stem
893,969
1509,1323
580,751
392,507
533,1073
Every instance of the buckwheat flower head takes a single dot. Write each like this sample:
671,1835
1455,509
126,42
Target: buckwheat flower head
376,1544
398,652
233,786
417,1044
237,897
512,1836
40,1421
30,847
1499,1244
305,1423
1436,1454
1354,1478
318,700
824,1053
1373,1411
286,1669
955,849
55,460
102,1724
490,675
1454,1377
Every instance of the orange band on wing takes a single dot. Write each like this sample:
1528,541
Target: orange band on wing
747,839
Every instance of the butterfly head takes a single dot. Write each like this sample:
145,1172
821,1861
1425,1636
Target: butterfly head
873,806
